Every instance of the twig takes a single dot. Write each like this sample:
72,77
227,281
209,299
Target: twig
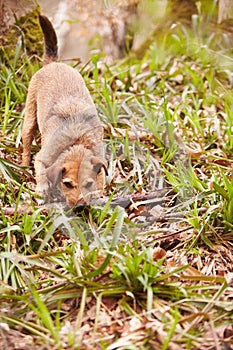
9,211
155,197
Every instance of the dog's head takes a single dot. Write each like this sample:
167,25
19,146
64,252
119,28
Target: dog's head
80,177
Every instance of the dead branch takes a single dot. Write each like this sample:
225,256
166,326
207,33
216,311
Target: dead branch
153,198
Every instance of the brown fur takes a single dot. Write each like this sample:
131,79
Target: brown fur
59,104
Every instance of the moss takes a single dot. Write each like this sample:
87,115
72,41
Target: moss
26,33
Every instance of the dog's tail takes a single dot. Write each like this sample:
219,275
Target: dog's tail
50,40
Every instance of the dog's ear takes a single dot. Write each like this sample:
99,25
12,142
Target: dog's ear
54,174
98,163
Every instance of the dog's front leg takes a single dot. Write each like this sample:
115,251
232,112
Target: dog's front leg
42,187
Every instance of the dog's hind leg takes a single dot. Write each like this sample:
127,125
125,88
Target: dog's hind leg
29,127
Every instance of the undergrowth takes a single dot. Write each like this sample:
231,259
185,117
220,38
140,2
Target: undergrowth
156,274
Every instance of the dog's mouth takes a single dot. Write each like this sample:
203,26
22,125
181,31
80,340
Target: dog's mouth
79,207
80,202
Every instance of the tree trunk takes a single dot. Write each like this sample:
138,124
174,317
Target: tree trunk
19,19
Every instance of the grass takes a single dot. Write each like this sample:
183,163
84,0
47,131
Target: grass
158,274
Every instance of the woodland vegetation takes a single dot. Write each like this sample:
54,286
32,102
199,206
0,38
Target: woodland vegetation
155,271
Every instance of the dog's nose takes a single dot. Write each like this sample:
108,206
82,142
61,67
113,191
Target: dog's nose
80,202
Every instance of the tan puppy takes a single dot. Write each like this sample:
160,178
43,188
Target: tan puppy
59,104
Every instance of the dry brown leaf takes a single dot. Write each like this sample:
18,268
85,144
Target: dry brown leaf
159,253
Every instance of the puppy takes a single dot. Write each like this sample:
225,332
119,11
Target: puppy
59,104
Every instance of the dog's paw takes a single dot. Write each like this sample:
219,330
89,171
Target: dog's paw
42,191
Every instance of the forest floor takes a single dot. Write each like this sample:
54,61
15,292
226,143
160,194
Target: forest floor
155,271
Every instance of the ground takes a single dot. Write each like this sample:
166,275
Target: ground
155,272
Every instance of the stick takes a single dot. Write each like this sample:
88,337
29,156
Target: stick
155,197
152,198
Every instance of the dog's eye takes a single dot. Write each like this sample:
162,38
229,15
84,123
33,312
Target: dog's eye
68,185
89,183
